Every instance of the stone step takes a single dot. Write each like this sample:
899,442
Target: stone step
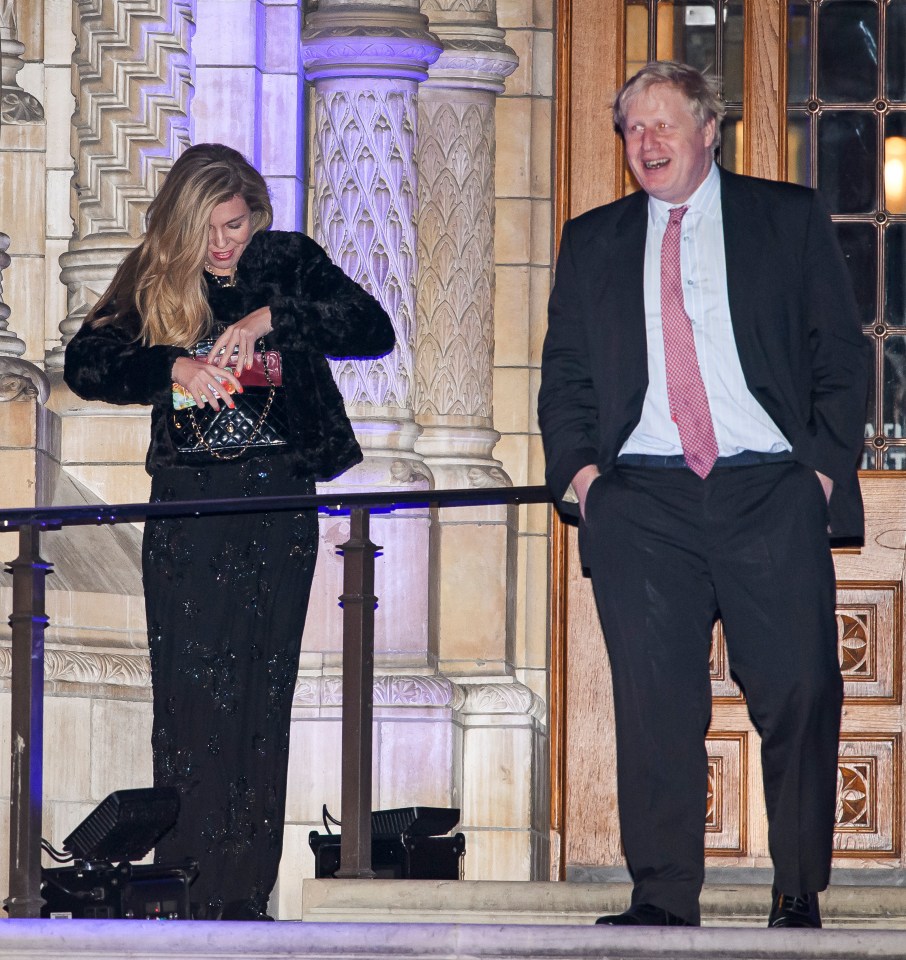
518,902
456,920
295,940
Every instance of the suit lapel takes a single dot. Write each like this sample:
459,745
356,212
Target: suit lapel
743,251
623,296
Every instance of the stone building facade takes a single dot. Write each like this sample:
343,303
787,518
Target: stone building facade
413,141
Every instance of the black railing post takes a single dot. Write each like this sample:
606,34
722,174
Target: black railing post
28,621
358,601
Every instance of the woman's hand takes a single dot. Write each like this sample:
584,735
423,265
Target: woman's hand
236,345
205,386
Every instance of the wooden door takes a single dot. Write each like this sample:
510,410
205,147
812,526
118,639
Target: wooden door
593,58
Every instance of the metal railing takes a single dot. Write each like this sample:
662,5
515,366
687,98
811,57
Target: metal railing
29,621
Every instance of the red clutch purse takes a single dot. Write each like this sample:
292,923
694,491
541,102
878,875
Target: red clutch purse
255,376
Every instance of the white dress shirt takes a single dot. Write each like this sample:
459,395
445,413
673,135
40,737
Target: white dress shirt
740,422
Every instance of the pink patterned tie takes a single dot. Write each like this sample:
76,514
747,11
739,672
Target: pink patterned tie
685,389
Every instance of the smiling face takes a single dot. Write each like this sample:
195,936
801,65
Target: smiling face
668,150
229,233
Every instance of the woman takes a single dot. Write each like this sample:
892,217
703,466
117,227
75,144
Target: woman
226,597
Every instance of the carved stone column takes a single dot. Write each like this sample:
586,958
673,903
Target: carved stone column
455,329
19,379
366,62
475,550
132,85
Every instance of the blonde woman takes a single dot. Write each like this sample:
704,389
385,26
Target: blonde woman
226,597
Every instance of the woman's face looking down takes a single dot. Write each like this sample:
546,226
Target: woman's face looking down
229,232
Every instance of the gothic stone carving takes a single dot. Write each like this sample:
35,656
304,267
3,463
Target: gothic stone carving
364,215
454,359
132,85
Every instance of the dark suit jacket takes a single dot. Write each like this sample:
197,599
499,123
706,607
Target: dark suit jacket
794,317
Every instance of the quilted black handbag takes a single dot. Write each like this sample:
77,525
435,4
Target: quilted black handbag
258,421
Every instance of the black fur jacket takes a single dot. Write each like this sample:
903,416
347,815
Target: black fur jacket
316,311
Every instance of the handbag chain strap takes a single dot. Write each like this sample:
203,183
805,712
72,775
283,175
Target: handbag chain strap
219,454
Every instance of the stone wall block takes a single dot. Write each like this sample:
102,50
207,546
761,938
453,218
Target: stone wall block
225,105
416,762
121,746
225,33
314,769
68,747
472,609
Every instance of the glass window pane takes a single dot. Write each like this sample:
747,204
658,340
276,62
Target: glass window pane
894,386
847,160
733,57
896,51
859,243
894,459
798,149
895,162
731,134
800,52
848,51
871,413
636,37
895,275
687,32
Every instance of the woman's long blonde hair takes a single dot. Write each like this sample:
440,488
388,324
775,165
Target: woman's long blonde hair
161,279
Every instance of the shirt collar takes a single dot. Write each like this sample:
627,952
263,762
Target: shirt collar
705,202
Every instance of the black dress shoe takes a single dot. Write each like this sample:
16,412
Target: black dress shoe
244,910
644,915
789,911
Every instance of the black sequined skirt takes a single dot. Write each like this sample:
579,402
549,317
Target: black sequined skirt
226,599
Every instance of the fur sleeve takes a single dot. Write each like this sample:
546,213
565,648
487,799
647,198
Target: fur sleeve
316,306
107,363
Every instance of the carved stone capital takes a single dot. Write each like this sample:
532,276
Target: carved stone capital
459,11
16,106
363,42
87,667
86,269
507,698
395,690
474,56
22,380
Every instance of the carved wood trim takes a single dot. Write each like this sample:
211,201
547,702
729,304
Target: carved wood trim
714,826
558,559
764,89
588,170
866,813
895,589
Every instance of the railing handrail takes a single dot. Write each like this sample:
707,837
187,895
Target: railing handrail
358,600
103,513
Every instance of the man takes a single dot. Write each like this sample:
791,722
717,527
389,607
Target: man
702,399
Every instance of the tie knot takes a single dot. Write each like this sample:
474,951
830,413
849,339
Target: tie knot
677,214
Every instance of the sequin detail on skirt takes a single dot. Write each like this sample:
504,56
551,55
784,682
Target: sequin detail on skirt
226,599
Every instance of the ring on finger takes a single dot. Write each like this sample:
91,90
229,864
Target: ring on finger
204,399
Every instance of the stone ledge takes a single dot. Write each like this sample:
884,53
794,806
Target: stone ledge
542,903
150,940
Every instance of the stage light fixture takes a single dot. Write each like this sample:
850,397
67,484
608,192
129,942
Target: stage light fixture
124,826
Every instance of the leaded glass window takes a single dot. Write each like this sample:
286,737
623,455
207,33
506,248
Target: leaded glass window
846,135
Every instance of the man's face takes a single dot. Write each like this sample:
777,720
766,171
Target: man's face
669,153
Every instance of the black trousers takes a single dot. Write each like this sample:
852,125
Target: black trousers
226,598
668,553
